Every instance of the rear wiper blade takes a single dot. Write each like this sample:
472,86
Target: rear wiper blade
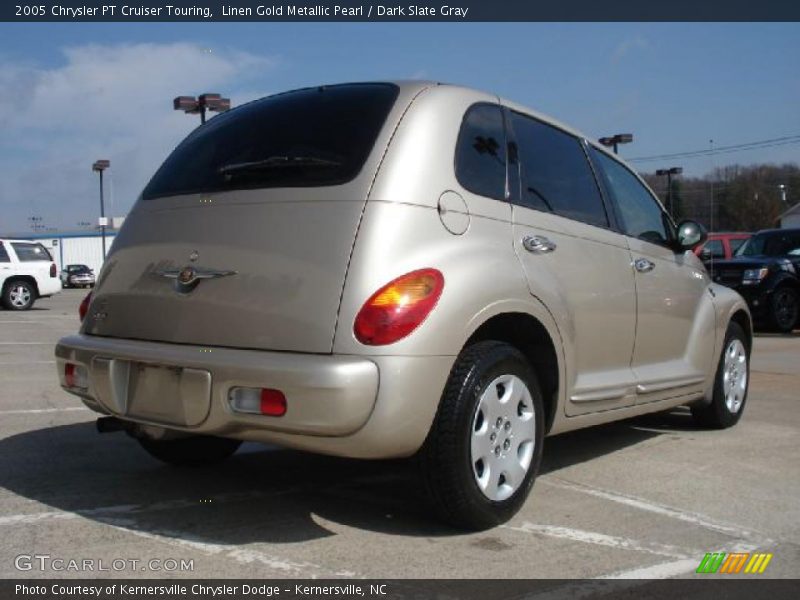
279,162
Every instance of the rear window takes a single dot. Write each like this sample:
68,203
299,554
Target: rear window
29,252
306,138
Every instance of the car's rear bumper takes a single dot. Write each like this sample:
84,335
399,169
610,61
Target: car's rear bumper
336,404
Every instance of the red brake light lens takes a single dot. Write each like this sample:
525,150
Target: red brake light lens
398,308
273,403
69,374
84,307
53,271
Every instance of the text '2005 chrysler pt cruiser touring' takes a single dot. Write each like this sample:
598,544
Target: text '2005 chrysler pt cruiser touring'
383,270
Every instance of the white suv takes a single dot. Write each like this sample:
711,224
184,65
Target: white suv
27,272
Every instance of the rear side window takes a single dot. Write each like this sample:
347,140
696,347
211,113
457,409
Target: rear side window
3,254
481,152
307,138
639,212
556,175
28,252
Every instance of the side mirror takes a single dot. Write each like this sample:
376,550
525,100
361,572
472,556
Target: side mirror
705,254
690,234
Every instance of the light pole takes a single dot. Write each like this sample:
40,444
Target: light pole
100,166
192,106
782,187
669,173
616,139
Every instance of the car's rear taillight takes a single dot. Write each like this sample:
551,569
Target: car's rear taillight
398,308
53,271
76,376
84,307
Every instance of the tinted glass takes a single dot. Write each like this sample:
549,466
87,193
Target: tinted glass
639,212
771,244
736,243
556,175
481,152
3,254
714,248
28,252
307,138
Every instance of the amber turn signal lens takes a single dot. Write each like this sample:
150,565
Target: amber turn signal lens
398,308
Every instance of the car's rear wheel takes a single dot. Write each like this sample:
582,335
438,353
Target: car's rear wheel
784,309
19,295
485,445
730,384
192,451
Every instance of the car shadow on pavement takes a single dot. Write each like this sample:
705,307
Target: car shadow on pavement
261,494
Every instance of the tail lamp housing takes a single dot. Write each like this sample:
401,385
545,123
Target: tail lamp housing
398,308
258,401
84,307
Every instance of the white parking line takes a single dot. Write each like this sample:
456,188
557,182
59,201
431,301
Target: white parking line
28,362
602,539
646,505
41,411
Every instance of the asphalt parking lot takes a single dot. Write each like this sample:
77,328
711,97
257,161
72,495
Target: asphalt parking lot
642,498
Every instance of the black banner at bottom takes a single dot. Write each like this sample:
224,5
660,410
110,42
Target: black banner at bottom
733,588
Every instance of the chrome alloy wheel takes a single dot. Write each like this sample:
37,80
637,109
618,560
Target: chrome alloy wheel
503,437
734,376
20,296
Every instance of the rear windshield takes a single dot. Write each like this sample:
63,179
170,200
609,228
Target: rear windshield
307,138
29,252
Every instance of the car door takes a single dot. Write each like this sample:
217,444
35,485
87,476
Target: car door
5,265
675,320
574,263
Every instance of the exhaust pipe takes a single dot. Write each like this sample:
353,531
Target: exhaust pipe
110,425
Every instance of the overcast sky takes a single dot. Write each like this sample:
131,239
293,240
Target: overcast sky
73,93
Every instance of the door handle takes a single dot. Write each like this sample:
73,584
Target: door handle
643,265
538,244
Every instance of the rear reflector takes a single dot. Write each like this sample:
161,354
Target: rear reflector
258,401
76,376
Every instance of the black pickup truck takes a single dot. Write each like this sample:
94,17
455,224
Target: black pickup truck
766,272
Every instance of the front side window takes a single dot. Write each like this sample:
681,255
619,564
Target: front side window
639,212
481,152
3,254
736,243
771,244
30,252
306,138
556,174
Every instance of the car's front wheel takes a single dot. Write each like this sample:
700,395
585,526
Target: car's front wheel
784,309
485,445
192,451
730,384
19,295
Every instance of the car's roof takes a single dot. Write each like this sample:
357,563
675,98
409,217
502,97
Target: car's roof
780,230
18,240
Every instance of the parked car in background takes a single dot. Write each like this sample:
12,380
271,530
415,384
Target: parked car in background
721,245
77,276
399,269
27,272
765,272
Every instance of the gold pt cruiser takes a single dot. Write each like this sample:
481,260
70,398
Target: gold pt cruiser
379,270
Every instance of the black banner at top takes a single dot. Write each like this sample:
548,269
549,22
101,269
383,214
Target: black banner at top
411,11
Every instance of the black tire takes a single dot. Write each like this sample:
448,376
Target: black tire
717,414
194,451
784,307
11,296
445,458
